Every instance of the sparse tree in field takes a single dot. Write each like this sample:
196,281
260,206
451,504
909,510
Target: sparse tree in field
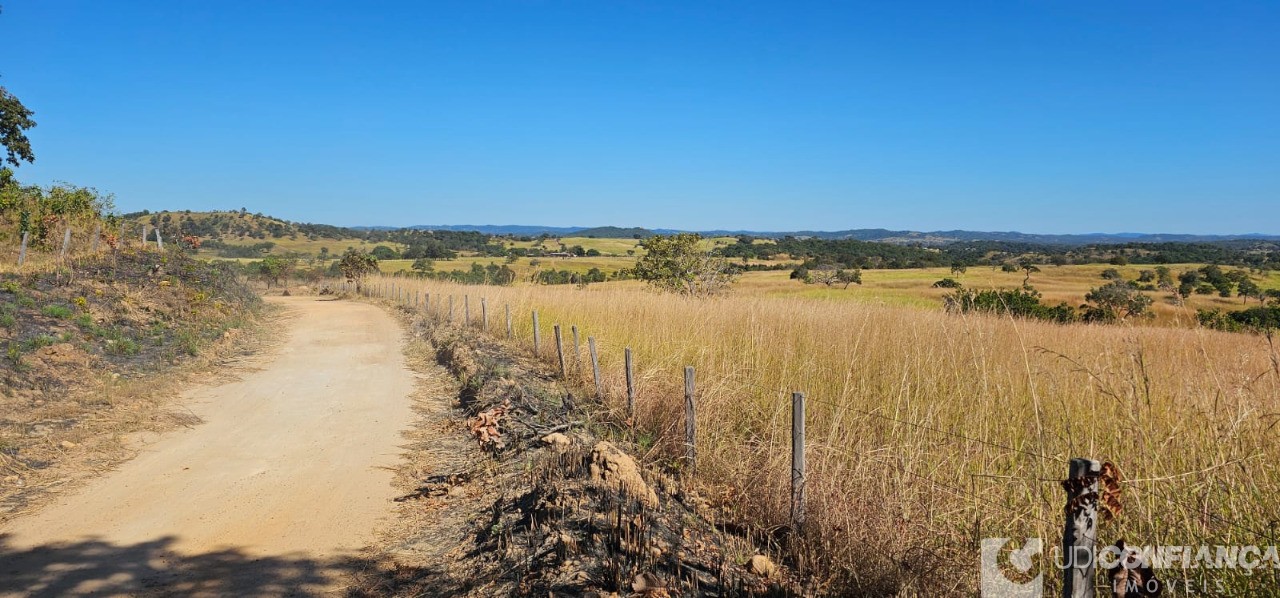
1115,300
1008,267
1247,288
947,283
355,265
1058,259
834,276
958,268
269,270
423,265
1164,279
1111,274
677,264
1146,276
1029,268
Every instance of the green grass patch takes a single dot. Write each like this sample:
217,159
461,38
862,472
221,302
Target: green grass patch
54,310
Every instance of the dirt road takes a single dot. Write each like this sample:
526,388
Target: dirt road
275,493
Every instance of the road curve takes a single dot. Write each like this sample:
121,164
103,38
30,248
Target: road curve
274,494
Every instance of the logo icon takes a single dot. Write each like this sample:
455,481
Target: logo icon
993,581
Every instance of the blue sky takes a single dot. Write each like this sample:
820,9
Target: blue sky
1038,116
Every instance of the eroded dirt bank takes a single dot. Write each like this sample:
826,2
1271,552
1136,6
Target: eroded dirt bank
275,492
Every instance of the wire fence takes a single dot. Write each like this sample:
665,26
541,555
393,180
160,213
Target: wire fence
1153,486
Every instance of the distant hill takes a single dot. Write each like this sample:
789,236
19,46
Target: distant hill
901,237
613,232
491,229
233,226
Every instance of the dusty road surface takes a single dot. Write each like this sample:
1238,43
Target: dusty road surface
274,494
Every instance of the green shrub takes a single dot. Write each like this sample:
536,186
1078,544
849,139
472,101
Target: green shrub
37,341
124,346
1254,319
1022,303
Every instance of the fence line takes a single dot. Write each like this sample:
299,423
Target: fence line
1080,483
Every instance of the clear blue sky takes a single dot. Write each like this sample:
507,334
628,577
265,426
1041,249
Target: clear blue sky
1039,116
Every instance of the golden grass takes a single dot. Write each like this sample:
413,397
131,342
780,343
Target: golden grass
928,430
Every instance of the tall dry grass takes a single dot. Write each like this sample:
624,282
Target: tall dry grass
929,431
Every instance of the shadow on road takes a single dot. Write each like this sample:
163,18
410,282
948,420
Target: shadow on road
93,567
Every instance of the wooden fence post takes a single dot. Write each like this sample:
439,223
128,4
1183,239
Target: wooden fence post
466,310
631,384
1080,532
22,253
66,244
564,372
426,305
690,423
450,309
484,315
416,296
536,335
595,365
508,320
159,241
577,348
97,234
797,461
144,235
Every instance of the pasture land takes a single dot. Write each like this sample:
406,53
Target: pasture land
929,430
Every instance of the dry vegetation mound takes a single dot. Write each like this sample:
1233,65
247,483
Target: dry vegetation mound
554,503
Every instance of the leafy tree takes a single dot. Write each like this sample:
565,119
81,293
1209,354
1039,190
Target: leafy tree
958,268
1111,274
15,119
382,252
355,265
834,276
1115,300
423,265
675,263
1247,288
947,283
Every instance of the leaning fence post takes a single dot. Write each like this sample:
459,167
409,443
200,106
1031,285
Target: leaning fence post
690,424
536,335
22,253
797,461
508,320
564,372
577,348
484,315
631,385
595,365
159,241
66,244
1080,532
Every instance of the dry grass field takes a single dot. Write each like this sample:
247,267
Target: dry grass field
927,430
